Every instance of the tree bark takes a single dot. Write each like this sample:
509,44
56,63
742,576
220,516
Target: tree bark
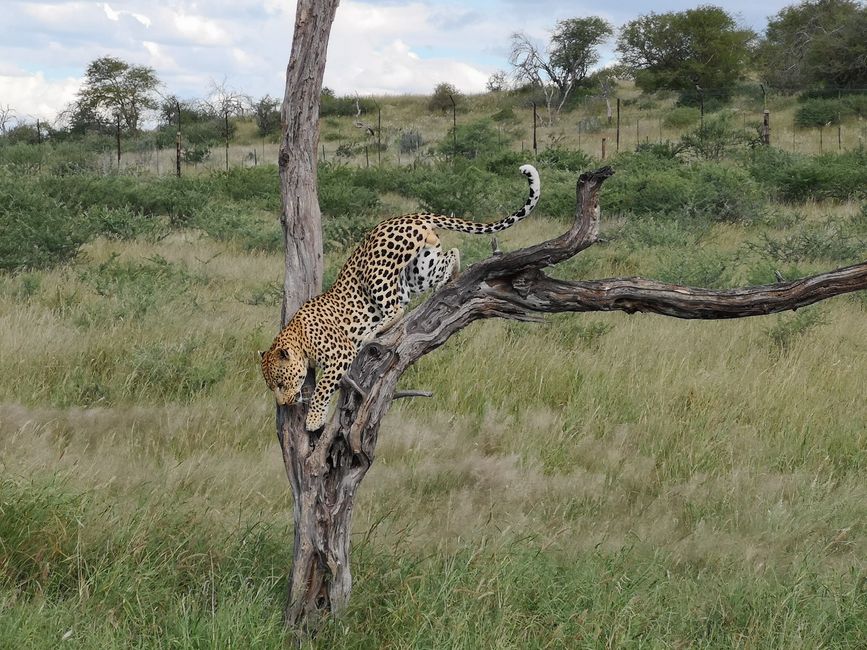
319,581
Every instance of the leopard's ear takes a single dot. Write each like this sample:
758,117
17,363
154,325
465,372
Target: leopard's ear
284,354
261,354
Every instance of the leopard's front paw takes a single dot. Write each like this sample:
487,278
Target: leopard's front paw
314,421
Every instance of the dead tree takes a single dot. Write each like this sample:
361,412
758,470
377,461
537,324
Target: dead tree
511,285
326,467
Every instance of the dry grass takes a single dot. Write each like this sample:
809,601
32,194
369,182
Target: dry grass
617,464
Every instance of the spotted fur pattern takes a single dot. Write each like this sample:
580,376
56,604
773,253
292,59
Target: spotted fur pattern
399,258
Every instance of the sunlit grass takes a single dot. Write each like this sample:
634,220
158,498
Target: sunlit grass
599,480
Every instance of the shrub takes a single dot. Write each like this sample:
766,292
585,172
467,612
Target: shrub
698,268
856,105
794,177
715,139
441,100
410,141
341,195
227,223
331,105
724,193
38,230
506,114
564,159
788,329
833,240
645,185
260,184
818,112
471,140
680,117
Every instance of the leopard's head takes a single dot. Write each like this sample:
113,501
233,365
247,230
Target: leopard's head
284,369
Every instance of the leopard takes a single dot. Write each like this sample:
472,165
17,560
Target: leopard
397,259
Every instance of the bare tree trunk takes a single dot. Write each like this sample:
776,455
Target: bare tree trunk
320,581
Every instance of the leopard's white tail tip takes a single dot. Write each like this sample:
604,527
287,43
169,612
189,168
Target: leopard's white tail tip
533,177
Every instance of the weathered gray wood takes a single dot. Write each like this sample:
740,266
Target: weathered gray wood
319,580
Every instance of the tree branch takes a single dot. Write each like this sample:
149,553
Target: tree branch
512,285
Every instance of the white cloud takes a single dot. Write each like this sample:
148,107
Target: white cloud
114,16
200,30
33,96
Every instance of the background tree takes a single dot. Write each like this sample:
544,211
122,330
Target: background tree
572,52
821,44
7,117
267,115
441,100
225,103
114,93
116,90
497,82
701,47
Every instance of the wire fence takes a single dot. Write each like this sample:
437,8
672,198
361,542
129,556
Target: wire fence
595,126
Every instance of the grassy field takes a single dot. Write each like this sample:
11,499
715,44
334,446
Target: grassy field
596,481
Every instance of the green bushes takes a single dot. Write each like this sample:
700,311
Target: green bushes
818,112
680,117
647,185
472,140
794,177
37,230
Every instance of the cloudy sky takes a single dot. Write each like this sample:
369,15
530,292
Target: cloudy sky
377,46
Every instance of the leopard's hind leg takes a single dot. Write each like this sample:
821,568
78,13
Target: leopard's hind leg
431,268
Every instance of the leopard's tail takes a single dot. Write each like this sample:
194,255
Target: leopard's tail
474,228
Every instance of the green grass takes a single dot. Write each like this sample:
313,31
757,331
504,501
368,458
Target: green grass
599,480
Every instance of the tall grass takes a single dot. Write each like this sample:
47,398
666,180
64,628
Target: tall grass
599,480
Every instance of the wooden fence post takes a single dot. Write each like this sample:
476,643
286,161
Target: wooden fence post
617,136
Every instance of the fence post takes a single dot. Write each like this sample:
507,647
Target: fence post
766,128
617,136
178,142
378,136
535,150
454,128
603,148
637,132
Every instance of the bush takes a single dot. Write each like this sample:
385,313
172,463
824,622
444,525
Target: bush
441,100
346,106
794,177
645,185
340,194
818,112
681,117
410,141
38,230
724,193
834,240
856,105
564,159
471,140
506,114
697,269
715,139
